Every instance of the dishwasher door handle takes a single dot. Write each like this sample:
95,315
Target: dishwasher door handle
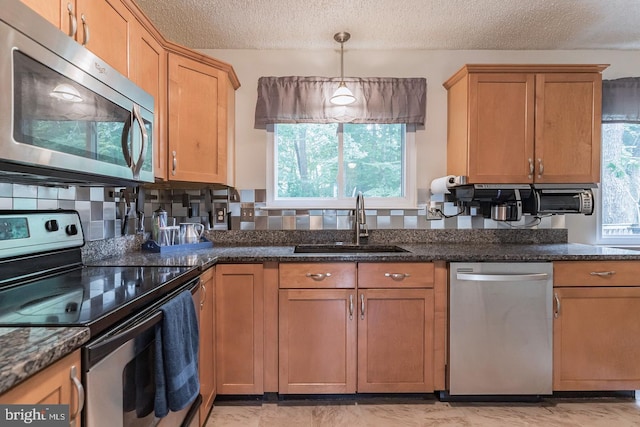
481,277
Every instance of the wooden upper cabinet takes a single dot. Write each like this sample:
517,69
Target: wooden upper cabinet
197,121
524,124
149,71
103,26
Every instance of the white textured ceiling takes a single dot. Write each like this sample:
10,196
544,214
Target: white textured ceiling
399,24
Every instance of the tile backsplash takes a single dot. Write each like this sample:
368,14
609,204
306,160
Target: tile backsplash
101,211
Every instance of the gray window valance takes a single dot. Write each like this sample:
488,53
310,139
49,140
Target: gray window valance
306,100
621,100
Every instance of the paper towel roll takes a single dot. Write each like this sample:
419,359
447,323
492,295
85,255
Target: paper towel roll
441,185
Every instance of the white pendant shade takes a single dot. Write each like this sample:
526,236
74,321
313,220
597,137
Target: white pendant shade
342,95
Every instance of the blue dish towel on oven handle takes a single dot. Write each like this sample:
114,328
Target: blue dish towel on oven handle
176,346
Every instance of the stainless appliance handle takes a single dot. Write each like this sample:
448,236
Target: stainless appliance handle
480,277
136,165
140,324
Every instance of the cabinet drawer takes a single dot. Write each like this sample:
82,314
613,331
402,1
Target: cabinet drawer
395,275
317,275
596,273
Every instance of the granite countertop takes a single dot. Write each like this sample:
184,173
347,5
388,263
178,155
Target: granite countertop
24,351
449,252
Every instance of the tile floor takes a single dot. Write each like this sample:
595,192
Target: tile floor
594,412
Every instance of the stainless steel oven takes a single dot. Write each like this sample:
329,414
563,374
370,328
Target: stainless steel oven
119,374
43,282
66,116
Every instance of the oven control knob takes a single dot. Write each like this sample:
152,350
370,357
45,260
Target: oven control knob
51,225
71,229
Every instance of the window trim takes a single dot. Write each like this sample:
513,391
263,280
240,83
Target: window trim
409,201
618,240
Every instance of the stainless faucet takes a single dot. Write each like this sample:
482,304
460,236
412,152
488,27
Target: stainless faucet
360,220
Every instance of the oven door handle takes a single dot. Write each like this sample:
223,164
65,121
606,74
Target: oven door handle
101,348
98,350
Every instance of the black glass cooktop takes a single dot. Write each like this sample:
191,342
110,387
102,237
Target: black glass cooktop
96,297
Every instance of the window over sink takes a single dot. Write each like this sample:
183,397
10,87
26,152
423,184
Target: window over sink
314,165
619,218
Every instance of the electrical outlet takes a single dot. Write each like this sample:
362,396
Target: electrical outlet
246,214
433,214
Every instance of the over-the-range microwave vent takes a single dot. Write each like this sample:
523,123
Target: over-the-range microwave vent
19,174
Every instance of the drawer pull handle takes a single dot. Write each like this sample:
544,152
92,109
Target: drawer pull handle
603,273
397,276
318,276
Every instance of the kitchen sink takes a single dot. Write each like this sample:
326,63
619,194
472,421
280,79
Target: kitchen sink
338,248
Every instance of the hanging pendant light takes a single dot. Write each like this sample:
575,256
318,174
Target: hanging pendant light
342,95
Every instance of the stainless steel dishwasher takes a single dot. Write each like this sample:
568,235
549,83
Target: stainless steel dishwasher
500,329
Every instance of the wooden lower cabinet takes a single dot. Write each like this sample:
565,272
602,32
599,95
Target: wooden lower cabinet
207,362
317,341
595,338
56,384
374,334
395,340
239,328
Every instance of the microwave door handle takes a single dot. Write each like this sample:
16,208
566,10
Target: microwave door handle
137,165
126,153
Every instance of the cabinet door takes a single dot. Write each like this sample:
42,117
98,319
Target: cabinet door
395,340
54,385
60,13
149,71
207,343
317,341
239,328
594,339
501,126
104,27
196,153
568,113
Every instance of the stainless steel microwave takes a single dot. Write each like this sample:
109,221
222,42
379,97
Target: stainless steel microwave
66,116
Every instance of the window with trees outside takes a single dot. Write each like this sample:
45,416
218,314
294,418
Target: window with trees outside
620,183
325,165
